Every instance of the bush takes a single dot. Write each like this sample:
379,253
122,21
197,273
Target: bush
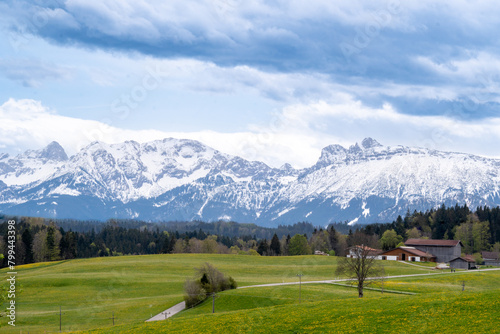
232,283
253,252
195,294
210,280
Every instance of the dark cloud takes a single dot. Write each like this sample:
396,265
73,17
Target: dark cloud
353,45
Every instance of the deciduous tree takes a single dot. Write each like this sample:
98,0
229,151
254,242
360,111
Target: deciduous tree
298,245
361,268
390,239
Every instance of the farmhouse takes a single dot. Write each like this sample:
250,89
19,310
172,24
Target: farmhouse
318,252
463,262
443,250
356,251
407,254
491,258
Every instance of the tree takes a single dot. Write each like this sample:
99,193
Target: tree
332,238
298,245
209,245
341,244
180,246
359,268
263,248
52,244
463,232
68,246
208,280
478,258
28,244
480,235
390,239
194,293
319,241
285,242
275,245
496,247
40,252
413,233
361,238
195,245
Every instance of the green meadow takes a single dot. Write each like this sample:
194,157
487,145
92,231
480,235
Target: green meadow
133,288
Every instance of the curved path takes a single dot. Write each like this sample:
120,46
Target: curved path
181,306
168,312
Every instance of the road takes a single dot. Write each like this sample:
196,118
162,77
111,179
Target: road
181,306
168,312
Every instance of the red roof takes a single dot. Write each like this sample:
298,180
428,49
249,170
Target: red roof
432,242
413,251
370,251
416,252
490,255
467,258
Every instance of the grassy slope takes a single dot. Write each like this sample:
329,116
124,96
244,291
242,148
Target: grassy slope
440,306
457,313
136,287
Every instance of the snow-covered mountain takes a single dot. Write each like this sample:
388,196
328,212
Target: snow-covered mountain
176,179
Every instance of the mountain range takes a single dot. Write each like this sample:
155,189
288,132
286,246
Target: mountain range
179,179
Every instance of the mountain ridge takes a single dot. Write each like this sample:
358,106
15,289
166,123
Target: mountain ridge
181,179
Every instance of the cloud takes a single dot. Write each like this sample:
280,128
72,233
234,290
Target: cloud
31,73
402,52
277,35
295,135
414,72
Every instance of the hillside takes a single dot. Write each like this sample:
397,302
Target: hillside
132,288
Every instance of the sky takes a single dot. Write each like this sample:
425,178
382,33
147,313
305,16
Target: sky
274,81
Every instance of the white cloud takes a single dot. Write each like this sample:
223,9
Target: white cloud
295,135
473,67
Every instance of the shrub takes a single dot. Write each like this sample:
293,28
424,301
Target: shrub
253,252
210,280
195,294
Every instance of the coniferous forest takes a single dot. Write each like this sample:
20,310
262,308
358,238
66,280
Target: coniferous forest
39,239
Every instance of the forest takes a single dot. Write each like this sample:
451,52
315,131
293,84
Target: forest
39,239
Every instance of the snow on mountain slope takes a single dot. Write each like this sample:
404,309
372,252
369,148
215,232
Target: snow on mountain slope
32,166
184,179
375,183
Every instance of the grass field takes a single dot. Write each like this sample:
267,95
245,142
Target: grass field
89,291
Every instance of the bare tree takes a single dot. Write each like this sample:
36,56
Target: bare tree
361,267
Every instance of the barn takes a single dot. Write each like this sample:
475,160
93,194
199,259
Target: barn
463,262
443,250
491,258
407,254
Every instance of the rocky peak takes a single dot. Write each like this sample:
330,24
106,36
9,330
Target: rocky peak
331,154
370,143
54,151
355,149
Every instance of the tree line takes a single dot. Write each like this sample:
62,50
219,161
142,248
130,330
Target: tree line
38,241
42,240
